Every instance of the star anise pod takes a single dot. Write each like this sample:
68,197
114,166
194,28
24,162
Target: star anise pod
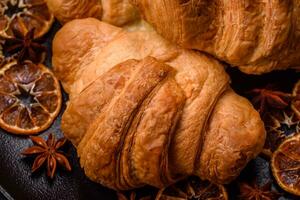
193,188
266,98
47,151
25,46
255,192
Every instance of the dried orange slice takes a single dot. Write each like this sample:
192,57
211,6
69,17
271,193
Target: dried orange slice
193,188
296,103
279,126
30,98
286,165
24,15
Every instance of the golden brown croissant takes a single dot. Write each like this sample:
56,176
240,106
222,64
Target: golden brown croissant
258,36
117,12
144,111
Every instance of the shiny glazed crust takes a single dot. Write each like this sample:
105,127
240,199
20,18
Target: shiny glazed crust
116,12
149,112
258,36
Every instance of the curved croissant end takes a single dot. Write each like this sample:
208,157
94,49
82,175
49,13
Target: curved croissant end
74,45
148,112
223,161
257,36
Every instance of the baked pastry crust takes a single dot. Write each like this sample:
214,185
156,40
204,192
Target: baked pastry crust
257,36
143,111
116,12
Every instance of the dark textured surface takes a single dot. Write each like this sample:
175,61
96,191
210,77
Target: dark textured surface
15,170
17,180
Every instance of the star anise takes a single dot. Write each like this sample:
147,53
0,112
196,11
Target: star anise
255,192
266,98
25,46
193,188
47,151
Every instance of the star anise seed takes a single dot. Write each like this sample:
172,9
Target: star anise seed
26,46
265,98
47,151
254,192
192,188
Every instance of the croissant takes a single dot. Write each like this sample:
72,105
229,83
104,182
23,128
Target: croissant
117,12
258,36
143,111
